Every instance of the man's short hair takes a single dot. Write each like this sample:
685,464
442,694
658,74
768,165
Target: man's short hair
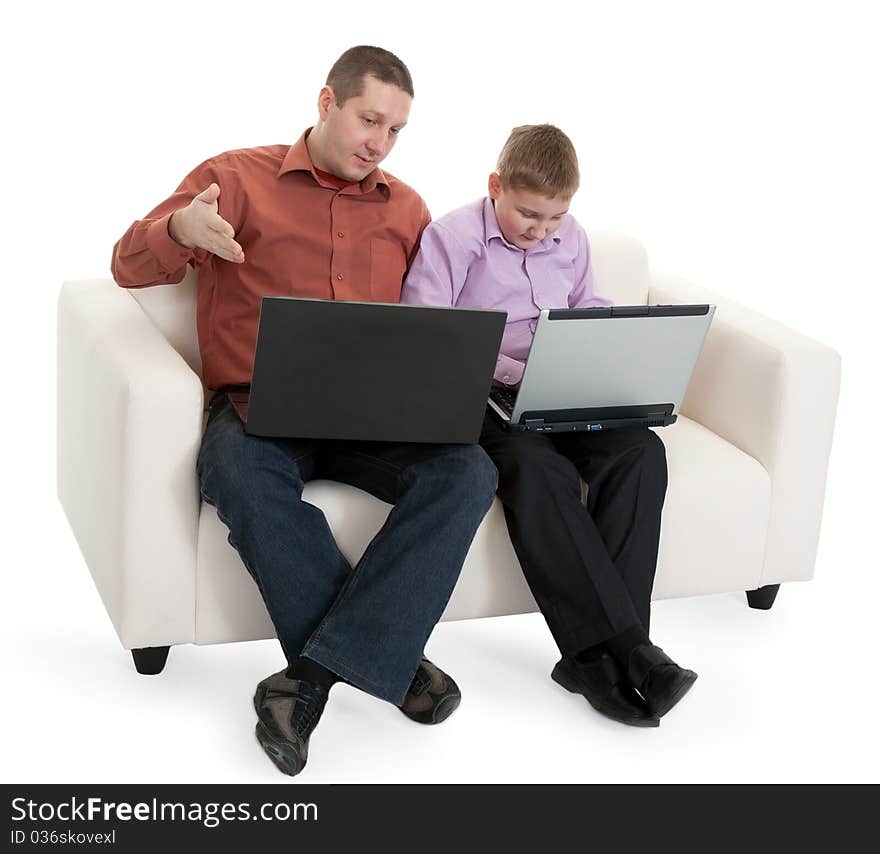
540,158
346,78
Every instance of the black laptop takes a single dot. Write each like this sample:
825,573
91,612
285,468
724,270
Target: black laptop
374,371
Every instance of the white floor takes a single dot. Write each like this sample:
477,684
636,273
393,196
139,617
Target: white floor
776,700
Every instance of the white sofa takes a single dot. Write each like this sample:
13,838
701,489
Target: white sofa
747,465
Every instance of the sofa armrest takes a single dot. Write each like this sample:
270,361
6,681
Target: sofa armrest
129,429
773,393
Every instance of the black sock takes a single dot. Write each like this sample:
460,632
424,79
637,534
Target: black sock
620,646
310,671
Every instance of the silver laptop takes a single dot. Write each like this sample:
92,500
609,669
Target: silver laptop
606,368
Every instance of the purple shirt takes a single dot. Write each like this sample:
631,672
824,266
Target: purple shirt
464,261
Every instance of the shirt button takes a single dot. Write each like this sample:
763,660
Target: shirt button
340,234
339,276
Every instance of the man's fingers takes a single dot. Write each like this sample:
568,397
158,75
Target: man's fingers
220,226
229,250
214,233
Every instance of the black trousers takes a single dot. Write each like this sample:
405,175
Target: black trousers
589,560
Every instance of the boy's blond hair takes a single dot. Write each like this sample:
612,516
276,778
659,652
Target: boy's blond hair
539,158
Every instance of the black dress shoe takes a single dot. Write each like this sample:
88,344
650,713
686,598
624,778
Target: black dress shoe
432,696
658,678
603,684
288,710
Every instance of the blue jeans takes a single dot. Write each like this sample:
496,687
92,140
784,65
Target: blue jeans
368,624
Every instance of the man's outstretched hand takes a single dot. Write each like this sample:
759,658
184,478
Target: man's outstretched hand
200,226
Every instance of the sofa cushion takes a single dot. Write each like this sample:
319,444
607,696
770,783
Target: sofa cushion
714,528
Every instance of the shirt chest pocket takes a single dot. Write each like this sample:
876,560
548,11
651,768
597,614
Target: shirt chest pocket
553,287
387,269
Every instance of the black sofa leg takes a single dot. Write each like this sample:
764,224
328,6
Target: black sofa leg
150,660
763,598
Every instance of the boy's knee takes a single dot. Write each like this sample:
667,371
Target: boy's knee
654,449
648,455
527,469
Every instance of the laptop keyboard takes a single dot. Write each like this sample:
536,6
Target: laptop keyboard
505,398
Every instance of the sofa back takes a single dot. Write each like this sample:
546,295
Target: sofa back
620,265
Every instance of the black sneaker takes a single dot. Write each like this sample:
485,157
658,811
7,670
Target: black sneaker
288,711
659,679
606,689
432,697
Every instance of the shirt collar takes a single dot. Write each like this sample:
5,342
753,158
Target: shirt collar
297,159
490,222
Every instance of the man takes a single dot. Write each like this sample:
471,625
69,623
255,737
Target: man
318,219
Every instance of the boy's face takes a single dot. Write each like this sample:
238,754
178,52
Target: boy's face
525,217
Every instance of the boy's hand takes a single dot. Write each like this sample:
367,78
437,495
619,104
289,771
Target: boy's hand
200,226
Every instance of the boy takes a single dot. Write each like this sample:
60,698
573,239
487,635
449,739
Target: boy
590,561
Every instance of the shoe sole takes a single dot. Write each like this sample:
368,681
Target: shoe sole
682,689
563,678
285,757
446,707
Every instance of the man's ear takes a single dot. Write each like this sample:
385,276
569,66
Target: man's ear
326,99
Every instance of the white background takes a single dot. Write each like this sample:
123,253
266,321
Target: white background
738,141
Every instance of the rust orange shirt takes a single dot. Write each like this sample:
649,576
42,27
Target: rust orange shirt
301,235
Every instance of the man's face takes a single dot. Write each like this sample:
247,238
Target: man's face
355,138
525,217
